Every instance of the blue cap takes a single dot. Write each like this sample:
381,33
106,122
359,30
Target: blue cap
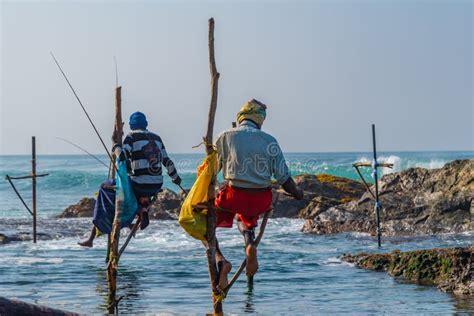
138,121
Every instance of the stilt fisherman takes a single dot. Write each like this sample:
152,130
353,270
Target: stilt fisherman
145,154
249,158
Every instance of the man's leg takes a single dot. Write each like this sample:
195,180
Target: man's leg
250,248
223,266
89,242
144,202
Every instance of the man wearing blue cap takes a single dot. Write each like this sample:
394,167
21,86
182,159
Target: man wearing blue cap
145,154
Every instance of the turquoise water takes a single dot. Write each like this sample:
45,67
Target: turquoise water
164,270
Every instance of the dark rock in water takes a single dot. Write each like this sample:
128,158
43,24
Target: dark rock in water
4,239
14,307
414,201
85,208
166,206
321,192
451,270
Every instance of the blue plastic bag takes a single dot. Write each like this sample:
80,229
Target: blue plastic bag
104,211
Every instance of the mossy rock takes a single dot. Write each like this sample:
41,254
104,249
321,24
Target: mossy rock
324,178
449,269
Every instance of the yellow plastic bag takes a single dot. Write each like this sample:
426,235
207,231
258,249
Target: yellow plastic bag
194,222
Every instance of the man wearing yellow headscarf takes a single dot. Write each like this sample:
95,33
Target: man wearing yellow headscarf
249,158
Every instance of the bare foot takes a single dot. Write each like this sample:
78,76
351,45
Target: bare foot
87,243
252,261
224,269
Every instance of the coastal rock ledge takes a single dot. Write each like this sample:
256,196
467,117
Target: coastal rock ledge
416,201
15,307
451,269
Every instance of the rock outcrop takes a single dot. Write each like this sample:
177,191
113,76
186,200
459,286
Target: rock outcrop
166,206
414,201
4,239
15,307
84,208
321,192
451,270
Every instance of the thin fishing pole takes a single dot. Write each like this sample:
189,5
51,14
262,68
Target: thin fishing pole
182,189
82,106
79,147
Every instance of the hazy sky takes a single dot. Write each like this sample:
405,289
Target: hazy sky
326,69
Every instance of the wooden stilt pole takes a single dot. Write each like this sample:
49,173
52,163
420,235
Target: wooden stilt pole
107,256
33,178
112,265
377,204
374,165
211,214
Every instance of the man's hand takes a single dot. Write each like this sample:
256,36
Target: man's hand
116,136
299,194
177,181
290,187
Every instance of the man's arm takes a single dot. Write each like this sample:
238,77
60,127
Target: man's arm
168,163
127,148
117,150
290,187
220,152
281,173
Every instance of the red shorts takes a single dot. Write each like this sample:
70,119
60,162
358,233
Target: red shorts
247,205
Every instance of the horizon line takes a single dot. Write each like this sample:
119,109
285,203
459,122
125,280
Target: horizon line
285,152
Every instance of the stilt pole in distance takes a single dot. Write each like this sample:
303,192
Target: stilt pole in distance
33,178
377,204
375,195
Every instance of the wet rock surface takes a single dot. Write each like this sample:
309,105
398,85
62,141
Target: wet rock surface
451,269
4,239
166,206
415,201
84,208
15,307
320,192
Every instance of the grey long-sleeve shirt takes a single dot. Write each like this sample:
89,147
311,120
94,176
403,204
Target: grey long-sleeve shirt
249,157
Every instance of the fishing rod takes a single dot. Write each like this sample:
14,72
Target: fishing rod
80,148
82,106
181,187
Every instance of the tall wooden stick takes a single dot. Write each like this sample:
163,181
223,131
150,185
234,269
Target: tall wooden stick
112,266
377,204
211,214
33,178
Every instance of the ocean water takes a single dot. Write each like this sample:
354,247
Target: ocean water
164,270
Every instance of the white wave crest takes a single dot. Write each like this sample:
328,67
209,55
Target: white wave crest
31,260
400,164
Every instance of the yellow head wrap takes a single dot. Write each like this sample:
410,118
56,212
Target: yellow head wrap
252,110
